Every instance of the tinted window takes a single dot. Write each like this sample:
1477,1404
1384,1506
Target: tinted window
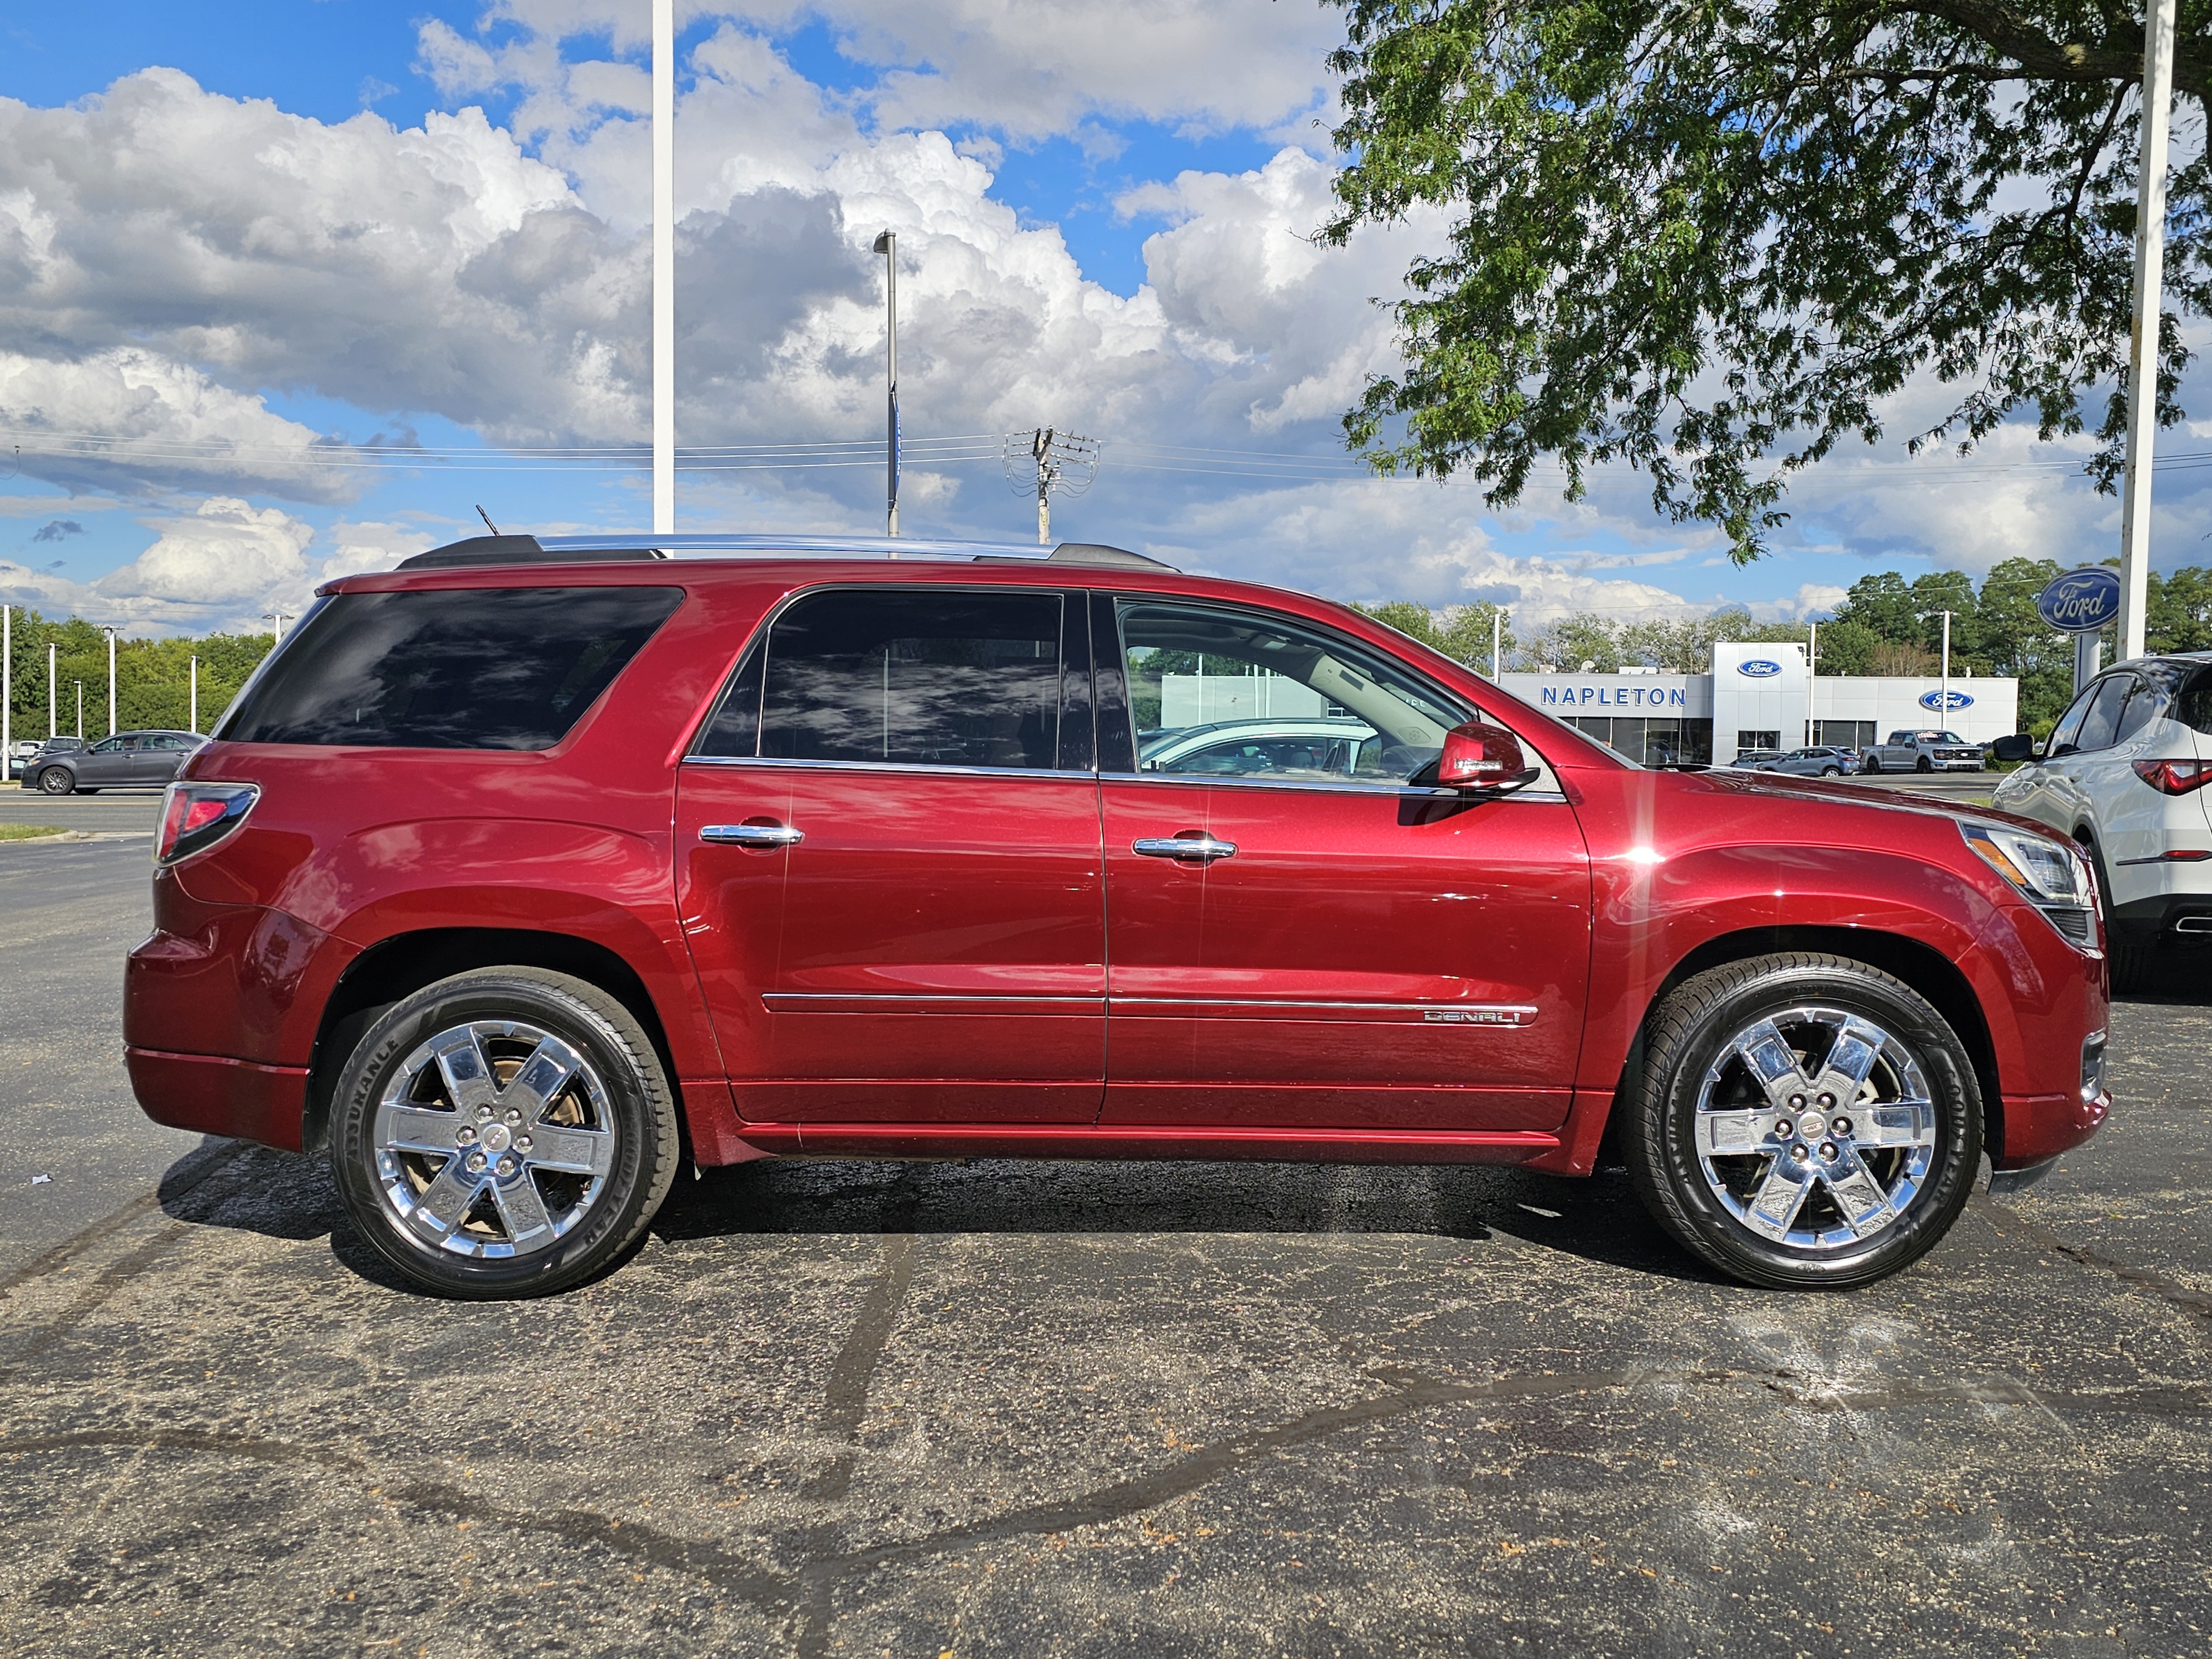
464,668
921,677
2100,725
2192,705
111,746
1190,665
2143,705
2069,725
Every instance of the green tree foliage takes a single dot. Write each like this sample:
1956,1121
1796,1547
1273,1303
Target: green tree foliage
1462,632
153,677
1708,237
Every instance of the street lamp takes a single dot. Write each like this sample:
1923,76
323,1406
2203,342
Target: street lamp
111,680
280,617
80,708
887,244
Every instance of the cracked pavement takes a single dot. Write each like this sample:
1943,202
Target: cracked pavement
998,1408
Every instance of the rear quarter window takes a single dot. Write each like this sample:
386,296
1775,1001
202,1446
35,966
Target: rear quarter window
454,668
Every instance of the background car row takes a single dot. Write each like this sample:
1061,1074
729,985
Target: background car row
63,766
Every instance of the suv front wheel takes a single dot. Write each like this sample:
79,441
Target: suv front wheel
1805,1122
504,1133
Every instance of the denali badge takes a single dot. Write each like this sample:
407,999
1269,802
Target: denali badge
1478,1016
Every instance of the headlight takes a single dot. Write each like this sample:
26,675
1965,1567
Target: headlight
2050,874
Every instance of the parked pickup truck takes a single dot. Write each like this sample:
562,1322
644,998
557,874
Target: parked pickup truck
1922,751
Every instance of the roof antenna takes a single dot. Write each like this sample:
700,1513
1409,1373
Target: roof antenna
486,516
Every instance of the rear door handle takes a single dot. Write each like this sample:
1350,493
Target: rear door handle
1196,847
752,835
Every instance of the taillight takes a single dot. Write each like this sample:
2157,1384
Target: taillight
2175,777
195,816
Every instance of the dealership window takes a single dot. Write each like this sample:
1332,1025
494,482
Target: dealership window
1844,735
1759,740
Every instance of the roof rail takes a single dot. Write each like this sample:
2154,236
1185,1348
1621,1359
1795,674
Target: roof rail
573,550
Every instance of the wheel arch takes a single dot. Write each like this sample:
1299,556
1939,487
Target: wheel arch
1926,969
396,967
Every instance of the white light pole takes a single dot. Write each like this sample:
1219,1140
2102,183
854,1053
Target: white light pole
7,692
1496,639
664,267
1944,699
887,244
53,721
195,725
280,617
2142,342
1812,669
110,682
80,708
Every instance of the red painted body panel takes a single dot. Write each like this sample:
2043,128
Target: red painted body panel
934,949
943,890
1301,981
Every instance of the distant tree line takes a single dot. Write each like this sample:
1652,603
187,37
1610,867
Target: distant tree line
153,677
1886,625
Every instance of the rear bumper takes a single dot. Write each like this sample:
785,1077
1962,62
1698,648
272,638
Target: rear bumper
220,1096
2169,916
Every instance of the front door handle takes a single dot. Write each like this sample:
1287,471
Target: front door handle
752,835
1192,847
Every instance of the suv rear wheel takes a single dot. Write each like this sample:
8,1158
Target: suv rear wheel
504,1133
1805,1122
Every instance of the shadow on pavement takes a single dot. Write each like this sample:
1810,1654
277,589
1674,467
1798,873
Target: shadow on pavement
283,1195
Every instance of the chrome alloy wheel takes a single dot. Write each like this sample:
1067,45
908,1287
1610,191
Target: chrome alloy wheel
1814,1127
492,1139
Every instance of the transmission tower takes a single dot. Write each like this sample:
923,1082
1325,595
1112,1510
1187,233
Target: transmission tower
1046,463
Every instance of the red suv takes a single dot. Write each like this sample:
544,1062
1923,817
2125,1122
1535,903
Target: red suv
522,875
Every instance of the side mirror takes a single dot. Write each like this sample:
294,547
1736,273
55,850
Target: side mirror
1480,756
2018,747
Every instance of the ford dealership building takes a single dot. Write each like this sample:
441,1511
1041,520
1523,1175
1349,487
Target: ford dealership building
1759,697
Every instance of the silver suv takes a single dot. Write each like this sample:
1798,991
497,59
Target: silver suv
2124,773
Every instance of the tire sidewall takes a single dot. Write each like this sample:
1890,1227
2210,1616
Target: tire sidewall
635,1183
1944,1189
46,788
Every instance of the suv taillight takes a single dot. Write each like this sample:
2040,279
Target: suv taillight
2175,777
195,816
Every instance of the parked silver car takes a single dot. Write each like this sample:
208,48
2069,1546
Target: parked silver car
1822,761
129,760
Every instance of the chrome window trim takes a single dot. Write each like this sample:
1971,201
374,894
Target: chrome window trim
1403,791
889,766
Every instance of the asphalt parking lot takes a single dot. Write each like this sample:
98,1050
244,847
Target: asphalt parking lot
992,1408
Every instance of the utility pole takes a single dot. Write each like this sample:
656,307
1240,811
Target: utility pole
2143,341
195,725
664,267
887,244
110,682
1048,469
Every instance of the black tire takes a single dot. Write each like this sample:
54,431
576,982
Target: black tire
1872,765
55,781
1693,1029
1925,765
2129,965
638,1106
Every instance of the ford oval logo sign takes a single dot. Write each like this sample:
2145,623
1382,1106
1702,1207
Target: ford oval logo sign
2080,601
1758,669
1942,702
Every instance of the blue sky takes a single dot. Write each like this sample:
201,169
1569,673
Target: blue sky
1101,216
